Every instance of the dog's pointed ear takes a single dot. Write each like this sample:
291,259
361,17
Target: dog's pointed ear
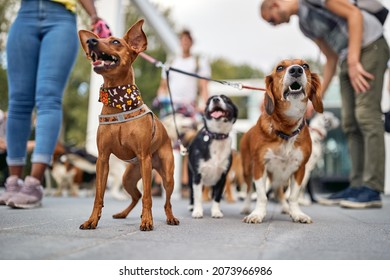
84,35
269,101
315,93
136,37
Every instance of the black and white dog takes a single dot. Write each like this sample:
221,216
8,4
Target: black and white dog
210,154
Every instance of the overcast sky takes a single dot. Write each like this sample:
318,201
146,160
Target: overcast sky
233,29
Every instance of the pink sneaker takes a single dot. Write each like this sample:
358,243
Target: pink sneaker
30,195
12,187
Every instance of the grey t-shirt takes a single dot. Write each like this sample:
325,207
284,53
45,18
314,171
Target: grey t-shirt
315,21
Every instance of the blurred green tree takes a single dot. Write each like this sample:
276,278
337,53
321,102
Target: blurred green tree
7,13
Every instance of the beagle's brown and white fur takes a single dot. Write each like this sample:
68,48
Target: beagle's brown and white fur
277,148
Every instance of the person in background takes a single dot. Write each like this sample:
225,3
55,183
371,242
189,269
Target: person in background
189,94
41,49
353,40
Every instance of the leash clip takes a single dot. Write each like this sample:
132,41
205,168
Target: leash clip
236,85
159,64
183,150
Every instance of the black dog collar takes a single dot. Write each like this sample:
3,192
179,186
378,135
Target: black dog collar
285,136
207,135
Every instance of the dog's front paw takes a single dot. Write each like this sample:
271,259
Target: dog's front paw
216,214
301,218
90,224
216,211
253,219
146,225
197,213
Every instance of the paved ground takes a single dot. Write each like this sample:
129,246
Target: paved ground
52,232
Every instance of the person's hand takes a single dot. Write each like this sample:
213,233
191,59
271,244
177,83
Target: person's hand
94,19
359,77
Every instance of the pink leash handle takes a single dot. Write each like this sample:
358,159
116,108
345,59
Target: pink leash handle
101,29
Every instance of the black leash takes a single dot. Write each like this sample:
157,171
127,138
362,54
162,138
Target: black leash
159,64
183,150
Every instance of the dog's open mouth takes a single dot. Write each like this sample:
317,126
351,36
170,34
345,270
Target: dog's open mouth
101,59
294,89
217,113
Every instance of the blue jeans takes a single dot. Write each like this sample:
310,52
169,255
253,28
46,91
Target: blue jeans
41,50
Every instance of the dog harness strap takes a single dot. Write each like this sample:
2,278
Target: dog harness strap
286,137
125,98
125,116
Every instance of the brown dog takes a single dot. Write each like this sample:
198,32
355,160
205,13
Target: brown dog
127,129
279,145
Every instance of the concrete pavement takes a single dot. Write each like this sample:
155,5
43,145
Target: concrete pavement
52,233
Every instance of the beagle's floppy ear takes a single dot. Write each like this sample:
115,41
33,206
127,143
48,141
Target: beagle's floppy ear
315,93
84,36
235,112
136,37
269,101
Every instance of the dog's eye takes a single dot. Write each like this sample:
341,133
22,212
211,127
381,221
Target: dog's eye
115,42
279,68
305,66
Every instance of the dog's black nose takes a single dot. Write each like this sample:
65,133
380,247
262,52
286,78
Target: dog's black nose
296,71
215,99
92,42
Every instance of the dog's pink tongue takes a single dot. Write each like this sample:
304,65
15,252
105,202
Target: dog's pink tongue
97,62
217,114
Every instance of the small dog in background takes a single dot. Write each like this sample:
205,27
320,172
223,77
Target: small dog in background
319,126
71,173
74,169
210,154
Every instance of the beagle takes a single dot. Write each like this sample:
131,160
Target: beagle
276,149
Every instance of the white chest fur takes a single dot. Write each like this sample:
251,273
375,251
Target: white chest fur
282,162
212,169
